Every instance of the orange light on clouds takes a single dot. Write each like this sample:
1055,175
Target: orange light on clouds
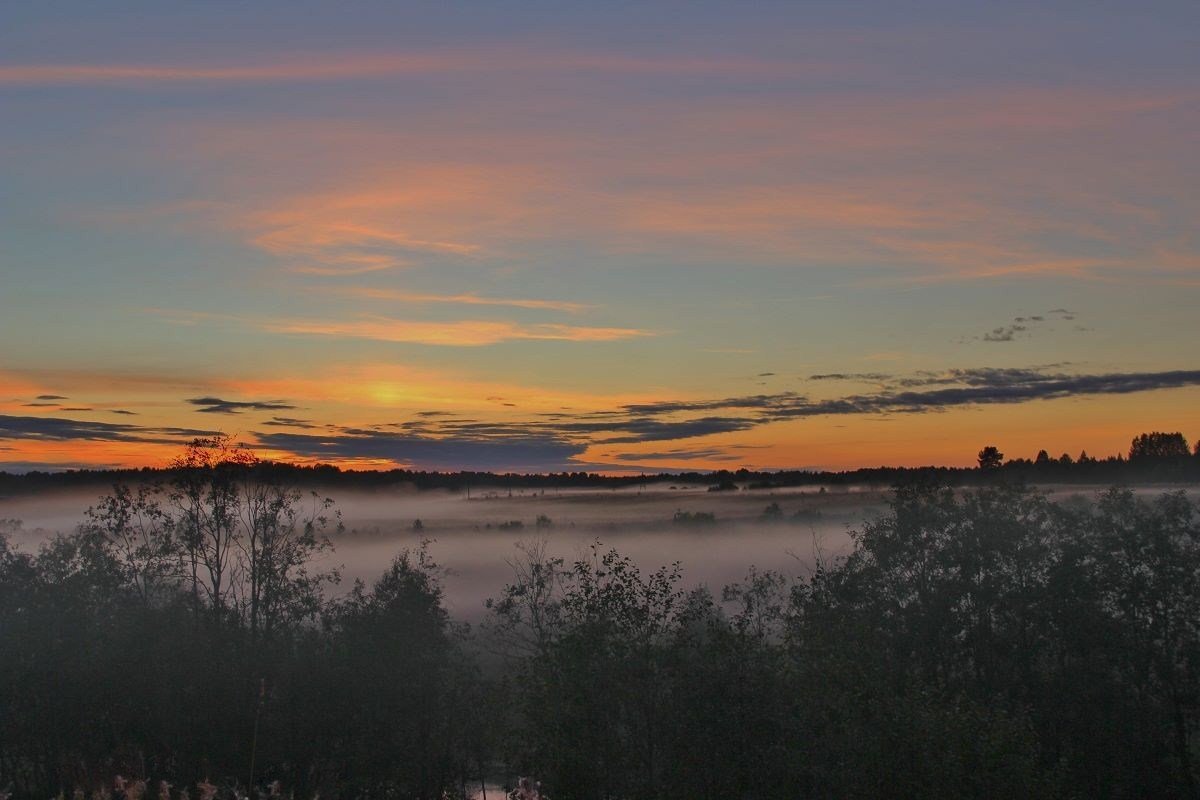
418,298
462,333
354,65
266,228
90,453
374,387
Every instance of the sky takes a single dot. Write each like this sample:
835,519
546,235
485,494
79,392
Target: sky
547,236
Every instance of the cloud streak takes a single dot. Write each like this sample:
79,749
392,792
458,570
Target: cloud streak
1025,324
460,333
60,429
529,453
352,66
215,405
968,387
418,298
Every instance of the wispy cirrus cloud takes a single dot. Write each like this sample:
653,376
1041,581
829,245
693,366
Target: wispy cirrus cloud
421,298
460,333
1020,212
448,333
425,212
357,66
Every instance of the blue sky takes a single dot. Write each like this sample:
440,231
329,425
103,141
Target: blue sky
390,217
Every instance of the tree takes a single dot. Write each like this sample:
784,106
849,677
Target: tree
401,686
590,644
281,531
132,525
204,494
225,527
990,458
998,628
1158,445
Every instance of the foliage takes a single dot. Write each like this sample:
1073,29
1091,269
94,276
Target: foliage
984,643
183,627
990,458
1157,445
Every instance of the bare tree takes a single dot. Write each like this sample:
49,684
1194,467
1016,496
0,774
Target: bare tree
133,526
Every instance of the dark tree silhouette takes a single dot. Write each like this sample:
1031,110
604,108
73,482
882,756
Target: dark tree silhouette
1158,445
987,643
990,458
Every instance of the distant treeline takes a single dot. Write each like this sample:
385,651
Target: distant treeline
987,643
1152,458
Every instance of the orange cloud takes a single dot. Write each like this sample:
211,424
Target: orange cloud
931,186
420,212
455,299
346,66
462,333
43,74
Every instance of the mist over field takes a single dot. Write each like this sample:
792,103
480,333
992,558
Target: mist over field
475,539
541,624
467,537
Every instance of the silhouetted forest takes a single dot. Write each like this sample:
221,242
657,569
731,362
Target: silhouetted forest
1152,458
977,642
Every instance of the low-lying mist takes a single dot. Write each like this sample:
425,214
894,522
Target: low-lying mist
475,537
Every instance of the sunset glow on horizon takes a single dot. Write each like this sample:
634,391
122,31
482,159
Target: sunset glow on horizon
562,237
